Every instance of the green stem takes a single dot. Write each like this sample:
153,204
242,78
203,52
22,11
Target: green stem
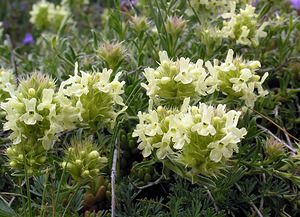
66,208
23,200
44,194
27,182
59,185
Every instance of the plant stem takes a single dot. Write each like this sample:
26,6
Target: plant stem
281,128
27,182
212,199
66,208
59,185
113,179
44,194
275,137
251,202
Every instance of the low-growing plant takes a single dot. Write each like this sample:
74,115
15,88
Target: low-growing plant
149,108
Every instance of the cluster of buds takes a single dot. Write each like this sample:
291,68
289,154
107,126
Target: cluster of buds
46,15
243,27
33,114
175,80
96,97
82,160
237,78
200,138
35,156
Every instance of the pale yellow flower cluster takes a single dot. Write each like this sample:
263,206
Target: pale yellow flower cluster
48,16
211,6
36,112
237,78
194,136
173,81
176,80
96,97
243,27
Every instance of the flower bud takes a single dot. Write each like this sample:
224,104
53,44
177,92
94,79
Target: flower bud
31,91
175,25
78,162
273,148
9,151
85,173
165,80
42,159
111,53
93,154
139,24
13,164
64,164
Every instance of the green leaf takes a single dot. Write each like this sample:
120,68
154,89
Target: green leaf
6,211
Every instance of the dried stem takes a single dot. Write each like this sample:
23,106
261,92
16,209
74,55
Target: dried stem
281,128
251,203
150,184
212,199
113,180
275,137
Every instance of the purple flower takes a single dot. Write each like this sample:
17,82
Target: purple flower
28,39
127,4
295,4
255,2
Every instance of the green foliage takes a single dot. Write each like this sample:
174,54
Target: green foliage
261,177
